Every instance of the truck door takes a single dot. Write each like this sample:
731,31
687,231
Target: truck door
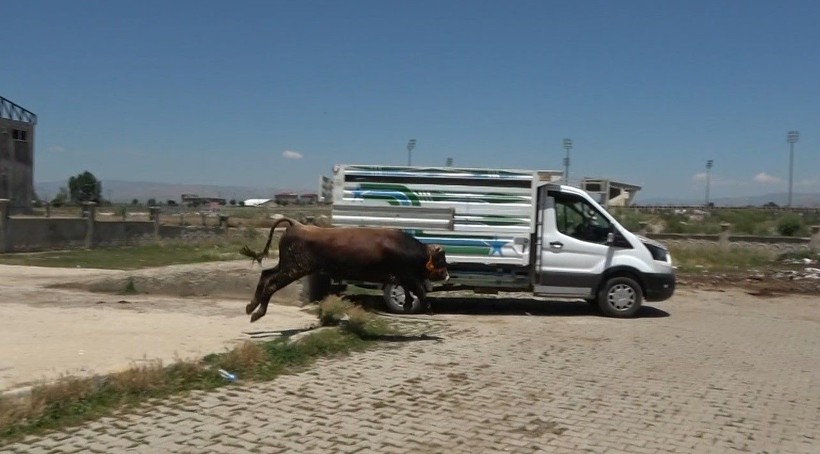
572,247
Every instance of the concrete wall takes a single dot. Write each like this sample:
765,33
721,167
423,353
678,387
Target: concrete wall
726,240
123,233
31,234
26,234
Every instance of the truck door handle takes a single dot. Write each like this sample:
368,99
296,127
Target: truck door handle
557,244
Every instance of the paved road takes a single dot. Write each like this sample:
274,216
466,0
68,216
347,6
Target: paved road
705,372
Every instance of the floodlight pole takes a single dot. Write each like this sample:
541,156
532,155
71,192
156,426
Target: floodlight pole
791,138
709,165
567,146
410,145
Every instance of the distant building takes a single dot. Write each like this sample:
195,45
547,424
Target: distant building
257,202
610,193
308,199
286,198
16,155
325,189
194,200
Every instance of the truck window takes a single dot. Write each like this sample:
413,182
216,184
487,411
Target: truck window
575,217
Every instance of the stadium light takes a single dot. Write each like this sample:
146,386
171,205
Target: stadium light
791,138
709,165
567,146
410,145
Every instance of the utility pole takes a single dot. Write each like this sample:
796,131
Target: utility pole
791,138
410,145
709,165
567,146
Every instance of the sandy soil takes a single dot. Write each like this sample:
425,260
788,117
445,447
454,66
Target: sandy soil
52,324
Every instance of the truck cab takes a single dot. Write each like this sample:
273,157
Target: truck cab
581,251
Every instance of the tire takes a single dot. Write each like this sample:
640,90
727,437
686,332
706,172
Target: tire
315,287
394,300
620,297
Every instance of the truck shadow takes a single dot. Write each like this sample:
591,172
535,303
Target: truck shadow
526,306
507,306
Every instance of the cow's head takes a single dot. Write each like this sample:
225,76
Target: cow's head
436,263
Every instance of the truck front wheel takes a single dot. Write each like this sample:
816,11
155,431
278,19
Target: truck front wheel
620,297
394,299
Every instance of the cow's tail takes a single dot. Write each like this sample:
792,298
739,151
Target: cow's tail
258,256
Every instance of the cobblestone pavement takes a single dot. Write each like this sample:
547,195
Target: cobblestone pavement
704,372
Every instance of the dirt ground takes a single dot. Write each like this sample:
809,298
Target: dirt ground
83,321
80,321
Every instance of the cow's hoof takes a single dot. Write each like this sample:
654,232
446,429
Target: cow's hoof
249,308
256,316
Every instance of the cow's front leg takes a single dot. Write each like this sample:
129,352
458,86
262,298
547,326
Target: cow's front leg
413,287
276,282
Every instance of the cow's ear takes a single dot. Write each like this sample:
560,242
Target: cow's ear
435,248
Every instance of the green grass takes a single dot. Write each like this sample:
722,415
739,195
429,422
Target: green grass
134,257
71,400
711,258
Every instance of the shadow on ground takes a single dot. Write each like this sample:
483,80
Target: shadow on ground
507,306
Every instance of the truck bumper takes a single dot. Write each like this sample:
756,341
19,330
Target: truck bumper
659,287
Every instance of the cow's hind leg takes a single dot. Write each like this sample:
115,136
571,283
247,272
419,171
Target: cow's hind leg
275,282
264,278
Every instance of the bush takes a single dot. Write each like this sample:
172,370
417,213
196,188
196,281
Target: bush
364,325
790,225
332,310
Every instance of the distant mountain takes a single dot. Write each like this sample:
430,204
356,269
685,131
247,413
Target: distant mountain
126,191
807,200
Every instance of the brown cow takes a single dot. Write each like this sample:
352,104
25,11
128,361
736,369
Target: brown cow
379,255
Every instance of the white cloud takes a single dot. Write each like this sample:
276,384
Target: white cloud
765,178
56,149
289,154
699,176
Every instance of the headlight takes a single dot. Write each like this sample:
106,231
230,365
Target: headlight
658,253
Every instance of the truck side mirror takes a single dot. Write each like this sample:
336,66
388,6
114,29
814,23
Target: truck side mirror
610,238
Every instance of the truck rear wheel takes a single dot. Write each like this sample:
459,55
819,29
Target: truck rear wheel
620,297
394,299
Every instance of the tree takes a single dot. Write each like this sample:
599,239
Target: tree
233,202
152,202
135,202
60,199
790,225
84,188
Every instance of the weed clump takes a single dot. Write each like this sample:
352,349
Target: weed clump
332,310
130,288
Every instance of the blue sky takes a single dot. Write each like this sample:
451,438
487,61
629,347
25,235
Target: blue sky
274,93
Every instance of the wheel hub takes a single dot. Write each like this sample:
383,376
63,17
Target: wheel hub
621,297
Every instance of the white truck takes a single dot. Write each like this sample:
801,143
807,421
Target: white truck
508,230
